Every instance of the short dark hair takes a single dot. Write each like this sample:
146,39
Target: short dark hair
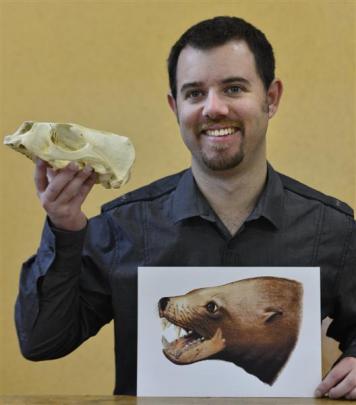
217,31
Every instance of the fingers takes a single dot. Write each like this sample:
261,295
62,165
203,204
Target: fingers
64,194
57,188
330,381
69,186
351,395
40,177
59,182
341,380
84,190
343,388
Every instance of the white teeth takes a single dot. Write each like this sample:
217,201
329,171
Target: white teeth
220,132
165,323
165,342
178,330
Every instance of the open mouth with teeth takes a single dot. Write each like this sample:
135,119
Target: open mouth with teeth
221,131
187,346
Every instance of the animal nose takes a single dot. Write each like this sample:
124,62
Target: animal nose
214,106
162,304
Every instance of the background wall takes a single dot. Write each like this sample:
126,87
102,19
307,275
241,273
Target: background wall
102,64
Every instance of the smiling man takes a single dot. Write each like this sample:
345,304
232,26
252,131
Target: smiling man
223,107
231,208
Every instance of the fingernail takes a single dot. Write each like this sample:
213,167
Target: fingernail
317,394
73,166
87,169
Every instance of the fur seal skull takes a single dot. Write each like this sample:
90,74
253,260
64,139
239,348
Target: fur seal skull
110,155
253,323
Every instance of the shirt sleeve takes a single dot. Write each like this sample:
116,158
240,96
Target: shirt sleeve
64,295
343,326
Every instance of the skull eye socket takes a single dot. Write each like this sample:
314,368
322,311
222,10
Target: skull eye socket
67,138
25,127
211,307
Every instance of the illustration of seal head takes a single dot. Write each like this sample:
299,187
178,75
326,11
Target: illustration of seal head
253,323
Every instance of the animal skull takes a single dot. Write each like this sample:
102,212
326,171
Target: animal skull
110,155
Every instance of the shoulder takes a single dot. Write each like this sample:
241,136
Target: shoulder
309,193
149,192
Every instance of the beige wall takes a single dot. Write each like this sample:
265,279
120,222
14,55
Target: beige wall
102,64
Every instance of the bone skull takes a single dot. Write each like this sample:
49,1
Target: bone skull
110,155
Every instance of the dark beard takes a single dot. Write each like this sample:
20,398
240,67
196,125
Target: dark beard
222,163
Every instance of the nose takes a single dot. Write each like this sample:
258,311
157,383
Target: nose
162,304
215,106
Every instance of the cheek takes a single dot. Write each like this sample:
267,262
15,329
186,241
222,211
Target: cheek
189,117
249,108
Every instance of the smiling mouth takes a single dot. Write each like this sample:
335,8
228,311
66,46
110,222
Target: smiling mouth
221,131
188,346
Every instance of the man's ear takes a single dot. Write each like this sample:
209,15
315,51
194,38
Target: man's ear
274,94
173,105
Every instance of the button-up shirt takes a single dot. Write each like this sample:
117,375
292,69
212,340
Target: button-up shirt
79,281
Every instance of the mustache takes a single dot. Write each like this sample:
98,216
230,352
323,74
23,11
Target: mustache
228,124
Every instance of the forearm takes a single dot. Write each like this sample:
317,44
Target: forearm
53,313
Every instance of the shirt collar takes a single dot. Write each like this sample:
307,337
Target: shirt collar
188,201
271,202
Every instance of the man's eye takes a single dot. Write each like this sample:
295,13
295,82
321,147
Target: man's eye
193,94
233,90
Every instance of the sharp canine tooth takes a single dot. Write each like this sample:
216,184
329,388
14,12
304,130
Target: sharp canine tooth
164,323
164,342
177,330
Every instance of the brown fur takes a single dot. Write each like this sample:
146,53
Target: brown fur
253,323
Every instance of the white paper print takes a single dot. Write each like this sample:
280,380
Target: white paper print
223,331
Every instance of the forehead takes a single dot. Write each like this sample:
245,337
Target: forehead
204,65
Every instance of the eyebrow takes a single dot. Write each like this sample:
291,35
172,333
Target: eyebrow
189,85
233,79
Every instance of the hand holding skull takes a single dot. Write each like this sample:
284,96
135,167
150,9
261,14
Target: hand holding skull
62,193
70,159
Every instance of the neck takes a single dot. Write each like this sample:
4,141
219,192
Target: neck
233,193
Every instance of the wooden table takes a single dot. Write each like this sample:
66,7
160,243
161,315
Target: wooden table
125,400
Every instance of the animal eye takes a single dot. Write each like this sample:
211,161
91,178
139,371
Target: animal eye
211,307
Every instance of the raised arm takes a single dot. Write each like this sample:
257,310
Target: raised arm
64,297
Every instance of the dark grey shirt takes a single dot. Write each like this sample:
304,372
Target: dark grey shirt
79,281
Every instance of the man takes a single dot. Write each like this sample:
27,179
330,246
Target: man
231,208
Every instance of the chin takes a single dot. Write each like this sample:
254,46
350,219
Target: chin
222,164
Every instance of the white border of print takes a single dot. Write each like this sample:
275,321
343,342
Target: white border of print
157,376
